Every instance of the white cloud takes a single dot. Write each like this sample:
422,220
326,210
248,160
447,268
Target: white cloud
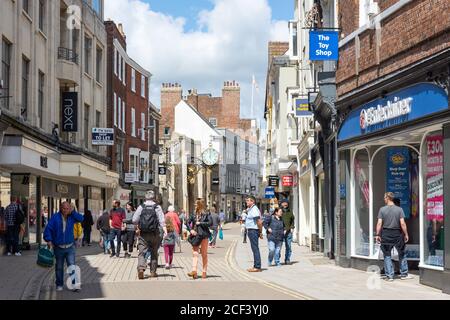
229,44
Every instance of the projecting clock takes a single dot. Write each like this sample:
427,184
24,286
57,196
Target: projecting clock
210,157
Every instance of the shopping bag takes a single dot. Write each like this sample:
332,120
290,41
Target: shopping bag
210,236
46,257
221,234
100,243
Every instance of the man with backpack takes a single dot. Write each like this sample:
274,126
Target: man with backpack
14,217
149,217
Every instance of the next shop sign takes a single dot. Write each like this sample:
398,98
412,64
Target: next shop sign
323,45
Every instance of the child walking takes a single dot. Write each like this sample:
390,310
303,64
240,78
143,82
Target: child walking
169,243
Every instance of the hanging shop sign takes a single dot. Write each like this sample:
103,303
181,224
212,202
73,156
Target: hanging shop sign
288,181
398,177
274,181
435,178
215,181
162,171
102,136
269,193
69,112
400,107
302,107
323,45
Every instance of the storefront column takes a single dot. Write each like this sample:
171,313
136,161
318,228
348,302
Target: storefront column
371,235
446,274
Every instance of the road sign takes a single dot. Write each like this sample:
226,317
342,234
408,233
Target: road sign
102,136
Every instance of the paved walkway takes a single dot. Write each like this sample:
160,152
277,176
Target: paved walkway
317,277
310,277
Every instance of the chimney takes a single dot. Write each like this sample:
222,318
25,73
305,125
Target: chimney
120,27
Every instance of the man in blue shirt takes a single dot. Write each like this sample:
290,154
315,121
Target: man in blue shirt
59,235
252,218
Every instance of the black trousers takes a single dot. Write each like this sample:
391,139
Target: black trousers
128,240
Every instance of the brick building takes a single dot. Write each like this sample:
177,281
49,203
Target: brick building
392,85
222,112
129,103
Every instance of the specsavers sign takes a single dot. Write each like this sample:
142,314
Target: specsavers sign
395,109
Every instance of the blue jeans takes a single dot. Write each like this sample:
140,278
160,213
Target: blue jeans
253,235
62,255
288,242
113,234
275,250
389,267
106,242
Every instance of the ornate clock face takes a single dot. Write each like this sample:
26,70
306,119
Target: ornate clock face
210,157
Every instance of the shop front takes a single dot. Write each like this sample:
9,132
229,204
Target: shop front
305,224
395,143
42,178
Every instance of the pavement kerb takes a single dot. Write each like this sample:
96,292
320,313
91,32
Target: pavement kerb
230,258
33,288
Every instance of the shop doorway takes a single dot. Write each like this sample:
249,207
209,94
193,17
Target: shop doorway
396,169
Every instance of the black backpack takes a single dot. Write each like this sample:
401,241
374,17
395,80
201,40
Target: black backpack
149,221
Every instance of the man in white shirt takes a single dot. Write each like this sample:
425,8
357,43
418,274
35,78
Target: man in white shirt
253,226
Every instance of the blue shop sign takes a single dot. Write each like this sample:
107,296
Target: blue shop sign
323,45
302,108
400,107
270,193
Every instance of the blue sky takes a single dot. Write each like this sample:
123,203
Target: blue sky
189,9
228,41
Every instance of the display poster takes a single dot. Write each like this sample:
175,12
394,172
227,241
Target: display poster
435,178
398,179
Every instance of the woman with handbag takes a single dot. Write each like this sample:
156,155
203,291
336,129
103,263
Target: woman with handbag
198,226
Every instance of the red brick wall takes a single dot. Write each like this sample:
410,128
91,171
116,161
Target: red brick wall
140,104
384,4
348,16
410,35
114,85
171,95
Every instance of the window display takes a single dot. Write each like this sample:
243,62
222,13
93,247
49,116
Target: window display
434,200
361,167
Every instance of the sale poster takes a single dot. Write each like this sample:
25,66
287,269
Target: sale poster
435,178
398,179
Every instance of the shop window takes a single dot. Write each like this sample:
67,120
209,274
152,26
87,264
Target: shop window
361,236
433,210
401,176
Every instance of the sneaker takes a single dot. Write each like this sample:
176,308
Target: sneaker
278,265
389,279
59,288
167,266
77,288
112,255
18,254
9,254
287,262
407,277
153,275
